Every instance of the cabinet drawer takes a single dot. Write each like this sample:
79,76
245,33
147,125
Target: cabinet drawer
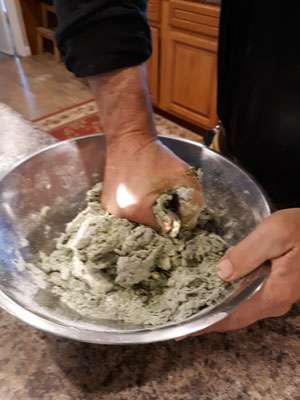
154,10
198,18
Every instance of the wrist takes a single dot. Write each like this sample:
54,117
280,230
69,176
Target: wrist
125,107
126,144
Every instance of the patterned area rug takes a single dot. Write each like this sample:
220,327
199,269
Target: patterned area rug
83,119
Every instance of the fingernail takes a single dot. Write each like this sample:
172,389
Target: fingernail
225,269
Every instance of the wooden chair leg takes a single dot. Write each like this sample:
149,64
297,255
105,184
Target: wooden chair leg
40,44
44,15
56,53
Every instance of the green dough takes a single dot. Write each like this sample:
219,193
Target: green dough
105,267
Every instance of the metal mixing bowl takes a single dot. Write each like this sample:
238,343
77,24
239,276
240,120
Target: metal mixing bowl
59,177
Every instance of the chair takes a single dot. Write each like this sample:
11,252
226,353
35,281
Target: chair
46,31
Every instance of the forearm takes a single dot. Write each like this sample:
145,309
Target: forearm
108,41
124,105
138,167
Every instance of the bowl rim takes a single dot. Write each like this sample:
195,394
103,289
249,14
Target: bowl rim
193,324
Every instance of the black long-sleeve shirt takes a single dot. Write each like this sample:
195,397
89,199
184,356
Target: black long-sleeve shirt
258,74
96,36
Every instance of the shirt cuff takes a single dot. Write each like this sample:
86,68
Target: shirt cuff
110,44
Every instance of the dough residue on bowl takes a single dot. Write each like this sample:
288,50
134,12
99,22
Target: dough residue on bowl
105,267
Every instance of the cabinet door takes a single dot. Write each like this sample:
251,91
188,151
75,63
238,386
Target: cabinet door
153,7
153,66
188,77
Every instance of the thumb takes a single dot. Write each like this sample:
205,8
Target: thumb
269,240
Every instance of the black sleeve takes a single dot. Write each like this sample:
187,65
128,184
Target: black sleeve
97,36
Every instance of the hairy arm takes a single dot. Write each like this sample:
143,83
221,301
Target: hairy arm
107,41
138,166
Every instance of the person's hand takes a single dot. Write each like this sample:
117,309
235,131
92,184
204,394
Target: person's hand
276,239
138,169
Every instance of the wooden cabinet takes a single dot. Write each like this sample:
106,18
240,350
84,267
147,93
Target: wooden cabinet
188,79
189,61
195,17
154,10
182,71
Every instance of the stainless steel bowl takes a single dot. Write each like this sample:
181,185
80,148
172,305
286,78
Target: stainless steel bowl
59,177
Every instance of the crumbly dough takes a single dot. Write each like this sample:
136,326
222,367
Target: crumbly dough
110,268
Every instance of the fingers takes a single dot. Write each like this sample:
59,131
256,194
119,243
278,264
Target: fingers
142,212
192,202
190,211
183,203
274,299
269,240
247,314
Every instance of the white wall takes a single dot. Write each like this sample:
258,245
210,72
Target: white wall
6,44
17,28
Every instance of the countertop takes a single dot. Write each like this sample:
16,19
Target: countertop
258,363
